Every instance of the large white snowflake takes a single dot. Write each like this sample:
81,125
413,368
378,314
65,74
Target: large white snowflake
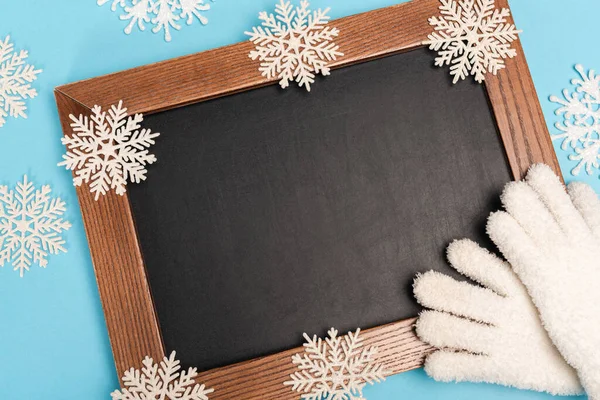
163,14
15,81
30,225
108,149
473,37
335,369
294,44
580,126
161,382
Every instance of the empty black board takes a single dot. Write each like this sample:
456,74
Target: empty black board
276,212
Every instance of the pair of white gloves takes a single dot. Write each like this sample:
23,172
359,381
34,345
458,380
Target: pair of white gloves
534,323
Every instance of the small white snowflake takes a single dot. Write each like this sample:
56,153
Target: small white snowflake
581,121
163,14
15,79
30,225
471,36
295,44
108,150
162,382
335,369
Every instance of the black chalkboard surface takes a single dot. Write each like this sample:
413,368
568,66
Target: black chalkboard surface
276,212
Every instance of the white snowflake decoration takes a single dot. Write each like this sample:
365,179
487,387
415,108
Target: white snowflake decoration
15,81
108,150
163,14
295,45
473,37
30,225
335,369
161,382
581,121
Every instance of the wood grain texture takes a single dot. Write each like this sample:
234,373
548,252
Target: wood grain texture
120,273
519,114
228,70
110,228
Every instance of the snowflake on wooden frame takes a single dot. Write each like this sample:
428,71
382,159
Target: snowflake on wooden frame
473,37
580,126
161,382
30,225
336,369
107,150
296,44
163,14
15,81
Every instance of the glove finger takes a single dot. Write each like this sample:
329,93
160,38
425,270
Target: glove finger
447,331
477,263
443,293
524,255
448,366
524,205
552,193
587,202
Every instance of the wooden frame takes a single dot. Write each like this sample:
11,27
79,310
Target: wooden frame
130,314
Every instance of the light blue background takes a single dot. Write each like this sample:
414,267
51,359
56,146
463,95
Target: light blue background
53,340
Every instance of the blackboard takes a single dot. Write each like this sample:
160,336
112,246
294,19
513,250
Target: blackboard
276,212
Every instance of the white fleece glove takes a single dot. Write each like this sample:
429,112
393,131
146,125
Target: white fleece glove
487,334
552,240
